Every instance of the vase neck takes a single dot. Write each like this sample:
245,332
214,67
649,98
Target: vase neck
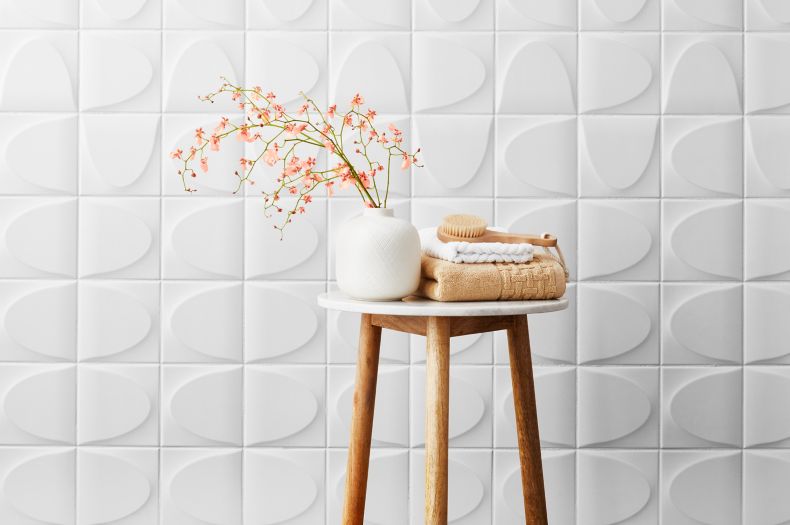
378,212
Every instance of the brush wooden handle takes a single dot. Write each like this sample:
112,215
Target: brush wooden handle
545,240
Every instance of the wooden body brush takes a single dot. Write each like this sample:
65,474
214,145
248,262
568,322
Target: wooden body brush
471,228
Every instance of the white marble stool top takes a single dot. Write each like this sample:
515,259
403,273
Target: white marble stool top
420,306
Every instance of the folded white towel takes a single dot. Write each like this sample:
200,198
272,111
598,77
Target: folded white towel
474,252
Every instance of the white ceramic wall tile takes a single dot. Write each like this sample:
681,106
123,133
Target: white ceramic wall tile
55,173
269,421
618,486
702,157
142,14
556,16
53,501
201,486
698,407
375,14
618,407
764,416
130,498
373,64
766,245
618,240
766,84
702,74
118,405
764,15
270,306
38,404
119,154
724,15
52,14
453,72
202,405
459,159
120,71
702,240
703,324
40,237
303,55
618,323
454,16
536,156
26,307
119,238
52,84
700,487
162,357
536,73
469,498
274,14
202,322
180,14
194,63
202,238
618,156
284,487
764,473
765,156
618,73
766,335
617,16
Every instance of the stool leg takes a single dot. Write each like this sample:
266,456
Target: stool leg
362,422
526,421
437,412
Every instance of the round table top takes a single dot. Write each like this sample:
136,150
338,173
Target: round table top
420,306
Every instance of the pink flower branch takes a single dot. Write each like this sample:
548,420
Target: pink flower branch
282,136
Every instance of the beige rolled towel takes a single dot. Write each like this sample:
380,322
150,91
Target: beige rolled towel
541,278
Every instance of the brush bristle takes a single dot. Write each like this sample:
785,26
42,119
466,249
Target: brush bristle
465,226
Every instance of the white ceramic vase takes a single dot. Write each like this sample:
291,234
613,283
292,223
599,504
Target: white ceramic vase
377,256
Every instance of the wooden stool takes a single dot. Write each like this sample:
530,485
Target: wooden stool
439,322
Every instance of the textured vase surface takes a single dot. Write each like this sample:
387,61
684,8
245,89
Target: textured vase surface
377,256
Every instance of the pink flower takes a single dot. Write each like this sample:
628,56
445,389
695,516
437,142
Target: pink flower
407,161
270,96
329,145
244,135
330,190
204,164
176,154
214,141
308,199
394,129
271,156
357,100
302,109
292,129
199,136
243,162
371,115
221,126
331,111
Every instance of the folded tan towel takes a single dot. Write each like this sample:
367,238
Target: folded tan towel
541,278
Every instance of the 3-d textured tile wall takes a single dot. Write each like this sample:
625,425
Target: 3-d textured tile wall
162,359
